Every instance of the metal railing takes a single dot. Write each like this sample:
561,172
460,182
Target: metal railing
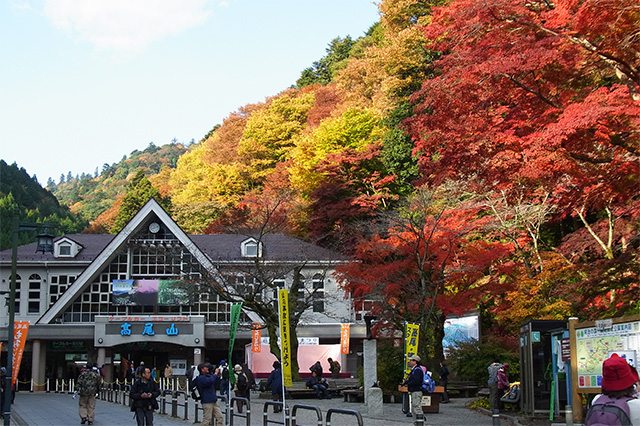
296,407
355,413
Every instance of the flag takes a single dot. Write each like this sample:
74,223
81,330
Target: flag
283,300
236,308
256,338
344,339
412,332
20,330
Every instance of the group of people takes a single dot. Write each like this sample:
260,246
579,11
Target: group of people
498,383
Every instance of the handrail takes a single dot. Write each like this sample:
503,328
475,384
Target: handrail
244,402
315,408
275,404
356,413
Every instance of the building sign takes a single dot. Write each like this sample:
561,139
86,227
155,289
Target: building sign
565,349
302,341
67,346
149,293
128,329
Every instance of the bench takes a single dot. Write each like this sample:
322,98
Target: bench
462,389
353,395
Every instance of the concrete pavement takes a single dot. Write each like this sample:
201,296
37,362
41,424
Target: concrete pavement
40,409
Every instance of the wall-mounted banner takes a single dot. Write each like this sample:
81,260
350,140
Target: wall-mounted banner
20,330
149,293
283,302
412,334
344,339
256,338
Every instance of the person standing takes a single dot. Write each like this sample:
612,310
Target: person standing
444,381
168,371
88,386
224,378
317,368
334,367
275,381
144,393
503,382
493,385
618,382
250,378
154,374
207,384
414,386
241,386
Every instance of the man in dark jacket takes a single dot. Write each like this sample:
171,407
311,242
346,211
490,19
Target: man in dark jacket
207,384
144,393
275,381
317,385
414,386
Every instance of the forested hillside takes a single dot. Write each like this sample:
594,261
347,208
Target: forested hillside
470,155
22,196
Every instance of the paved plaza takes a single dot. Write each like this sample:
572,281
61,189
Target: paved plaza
51,409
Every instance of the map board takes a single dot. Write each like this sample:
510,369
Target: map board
595,341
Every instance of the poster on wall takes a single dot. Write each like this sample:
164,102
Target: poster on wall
149,292
460,329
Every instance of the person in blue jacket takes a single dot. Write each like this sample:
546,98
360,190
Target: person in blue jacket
414,386
207,384
275,381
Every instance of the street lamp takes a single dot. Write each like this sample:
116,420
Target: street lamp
45,244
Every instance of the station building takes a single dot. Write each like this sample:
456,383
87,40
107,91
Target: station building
144,295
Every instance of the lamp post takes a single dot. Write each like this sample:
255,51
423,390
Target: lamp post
45,244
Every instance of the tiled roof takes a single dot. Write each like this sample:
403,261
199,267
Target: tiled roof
277,247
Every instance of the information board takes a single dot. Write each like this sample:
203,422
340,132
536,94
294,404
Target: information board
595,341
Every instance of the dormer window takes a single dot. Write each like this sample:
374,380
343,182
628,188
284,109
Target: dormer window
251,248
65,247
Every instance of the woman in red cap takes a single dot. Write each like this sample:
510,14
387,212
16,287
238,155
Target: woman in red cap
619,380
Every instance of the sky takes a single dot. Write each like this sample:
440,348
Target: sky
86,82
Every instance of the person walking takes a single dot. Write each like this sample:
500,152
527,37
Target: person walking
144,393
251,378
444,381
87,387
207,383
414,386
275,382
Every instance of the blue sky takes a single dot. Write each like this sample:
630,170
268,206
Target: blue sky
85,82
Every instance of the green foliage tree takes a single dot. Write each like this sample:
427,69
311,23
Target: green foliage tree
140,191
324,70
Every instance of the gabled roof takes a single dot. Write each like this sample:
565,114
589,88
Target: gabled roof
110,251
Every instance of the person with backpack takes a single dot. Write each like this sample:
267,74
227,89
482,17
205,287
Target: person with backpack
88,386
494,398
334,367
617,404
224,378
414,386
242,385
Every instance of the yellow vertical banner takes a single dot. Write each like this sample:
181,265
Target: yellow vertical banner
412,333
20,330
256,338
344,338
283,299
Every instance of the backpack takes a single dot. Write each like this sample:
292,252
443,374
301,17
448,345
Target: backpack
428,384
195,392
607,411
493,372
242,383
